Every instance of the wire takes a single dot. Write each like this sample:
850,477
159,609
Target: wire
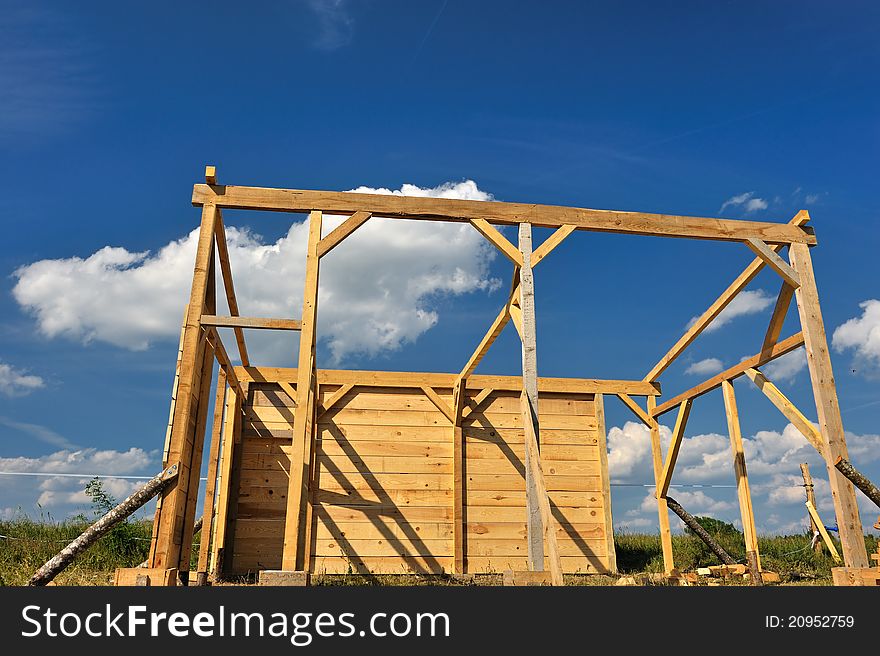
69,475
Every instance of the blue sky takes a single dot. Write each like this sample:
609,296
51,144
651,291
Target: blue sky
745,110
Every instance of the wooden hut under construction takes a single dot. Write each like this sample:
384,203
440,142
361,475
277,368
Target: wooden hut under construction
320,471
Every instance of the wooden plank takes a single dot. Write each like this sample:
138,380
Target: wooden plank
684,410
170,526
300,463
636,408
211,483
662,509
439,403
400,497
219,352
232,424
606,485
771,258
787,408
331,401
347,227
435,380
495,329
459,392
211,175
551,242
823,532
740,283
830,423
251,322
777,319
501,242
479,514
744,495
811,497
497,213
226,275
288,389
737,370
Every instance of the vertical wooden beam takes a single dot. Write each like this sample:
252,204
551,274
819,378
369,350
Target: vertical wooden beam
300,458
599,401
830,423
743,492
458,476
231,428
530,387
811,497
172,524
211,484
310,488
662,508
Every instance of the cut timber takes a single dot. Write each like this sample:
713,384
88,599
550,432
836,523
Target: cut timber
494,330
458,501
300,461
811,497
691,522
277,577
828,410
550,243
740,283
347,227
662,509
858,479
154,577
772,259
440,403
787,408
62,559
211,175
226,274
251,322
823,532
684,410
207,519
511,577
545,216
328,404
744,495
501,242
777,319
636,408
783,347
606,483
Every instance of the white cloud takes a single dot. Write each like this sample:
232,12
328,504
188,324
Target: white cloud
705,367
787,367
745,303
811,199
84,461
336,25
748,201
15,382
378,288
862,335
695,502
41,433
629,451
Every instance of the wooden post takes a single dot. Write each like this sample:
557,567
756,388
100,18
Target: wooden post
811,497
300,458
177,515
530,387
846,508
599,402
662,508
207,519
458,476
742,483
231,428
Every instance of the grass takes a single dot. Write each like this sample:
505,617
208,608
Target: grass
30,543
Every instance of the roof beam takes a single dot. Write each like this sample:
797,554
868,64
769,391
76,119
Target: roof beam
251,322
498,213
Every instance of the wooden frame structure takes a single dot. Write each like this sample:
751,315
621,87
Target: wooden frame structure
309,393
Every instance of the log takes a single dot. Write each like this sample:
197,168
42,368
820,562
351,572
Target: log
858,479
694,525
63,558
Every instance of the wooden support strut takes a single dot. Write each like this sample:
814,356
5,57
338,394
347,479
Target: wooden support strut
662,508
846,508
226,274
684,410
459,509
811,497
787,408
300,459
777,319
137,499
207,519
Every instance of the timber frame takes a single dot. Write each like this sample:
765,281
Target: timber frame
201,346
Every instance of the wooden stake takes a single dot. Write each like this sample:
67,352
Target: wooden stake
811,497
823,531
830,423
742,483
662,508
300,459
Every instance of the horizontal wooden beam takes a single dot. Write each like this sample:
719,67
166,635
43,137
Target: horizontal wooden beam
447,381
494,212
251,322
783,347
740,283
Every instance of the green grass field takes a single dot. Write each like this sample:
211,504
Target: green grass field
28,544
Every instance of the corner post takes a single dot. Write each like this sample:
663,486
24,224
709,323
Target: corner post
662,507
301,456
830,423
458,475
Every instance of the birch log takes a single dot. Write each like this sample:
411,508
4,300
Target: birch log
858,479
694,525
62,559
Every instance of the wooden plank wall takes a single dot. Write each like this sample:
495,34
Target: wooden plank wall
383,494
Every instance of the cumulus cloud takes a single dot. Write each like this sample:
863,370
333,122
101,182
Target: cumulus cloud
16,382
747,201
862,336
745,303
705,367
787,367
378,289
